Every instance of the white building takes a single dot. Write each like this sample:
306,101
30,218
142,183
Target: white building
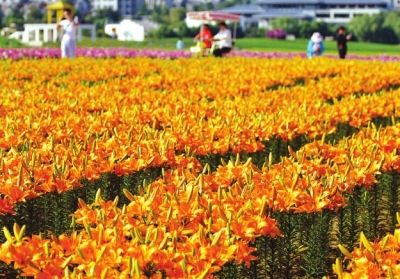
82,6
104,4
38,33
126,30
330,11
7,5
129,7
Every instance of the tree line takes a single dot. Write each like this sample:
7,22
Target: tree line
378,28
36,15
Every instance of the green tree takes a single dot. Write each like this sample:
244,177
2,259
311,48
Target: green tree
392,20
360,28
156,15
99,23
193,31
255,32
142,11
209,6
105,14
305,29
226,4
239,31
1,18
376,28
165,13
289,25
183,4
160,14
164,31
198,7
34,15
176,15
15,16
182,30
100,17
321,27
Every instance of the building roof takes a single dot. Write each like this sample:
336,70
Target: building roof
243,9
259,12
59,5
331,2
212,16
277,13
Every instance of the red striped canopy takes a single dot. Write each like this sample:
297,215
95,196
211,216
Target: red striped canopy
212,16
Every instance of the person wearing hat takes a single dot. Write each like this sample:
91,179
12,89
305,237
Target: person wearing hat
223,39
342,41
316,45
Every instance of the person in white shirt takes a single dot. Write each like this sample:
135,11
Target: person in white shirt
223,39
68,42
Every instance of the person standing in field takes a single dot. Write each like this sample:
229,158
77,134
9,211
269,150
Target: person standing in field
179,44
342,41
205,36
224,40
316,45
68,42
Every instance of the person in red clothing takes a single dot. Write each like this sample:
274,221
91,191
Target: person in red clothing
205,36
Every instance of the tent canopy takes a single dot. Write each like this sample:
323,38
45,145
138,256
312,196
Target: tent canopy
212,16
59,5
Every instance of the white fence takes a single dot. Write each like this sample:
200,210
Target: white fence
49,33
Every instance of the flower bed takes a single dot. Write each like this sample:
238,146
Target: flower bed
38,53
260,173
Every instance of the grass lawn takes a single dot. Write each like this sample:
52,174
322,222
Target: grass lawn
9,43
301,45
257,44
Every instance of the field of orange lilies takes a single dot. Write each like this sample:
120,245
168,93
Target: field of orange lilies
187,168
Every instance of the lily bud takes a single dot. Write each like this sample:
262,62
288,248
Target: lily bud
203,274
98,196
66,262
104,273
344,251
7,234
103,249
